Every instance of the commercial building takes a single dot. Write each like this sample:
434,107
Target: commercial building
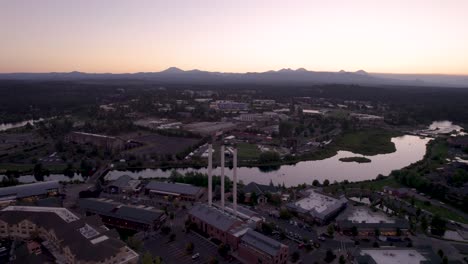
181,191
396,255
115,214
108,142
67,237
317,206
366,223
229,106
257,248
209,128
124,184
29,192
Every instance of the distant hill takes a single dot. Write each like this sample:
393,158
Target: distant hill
283,76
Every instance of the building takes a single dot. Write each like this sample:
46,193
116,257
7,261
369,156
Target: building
263,102
209,128
108,142
366,223
398,192
396,255
252,117
229,106
260,191
124,184
367,120
29,192
317,207
181,191
115,214
257,248
67,237
216,223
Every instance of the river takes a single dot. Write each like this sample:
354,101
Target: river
409,149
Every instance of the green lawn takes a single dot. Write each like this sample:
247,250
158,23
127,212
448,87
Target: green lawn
247,151
443,212
377,185
367,142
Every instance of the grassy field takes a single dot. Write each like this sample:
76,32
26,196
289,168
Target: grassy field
377,185
367,142
247,151
443,212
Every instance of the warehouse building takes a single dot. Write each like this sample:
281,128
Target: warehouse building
181,191
29,192
138,218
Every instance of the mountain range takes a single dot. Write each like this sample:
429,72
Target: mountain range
283,76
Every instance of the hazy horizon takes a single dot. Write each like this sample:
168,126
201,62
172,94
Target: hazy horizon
397,37
238,72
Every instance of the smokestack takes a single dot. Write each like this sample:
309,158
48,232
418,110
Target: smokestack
234,178
222,177
210,174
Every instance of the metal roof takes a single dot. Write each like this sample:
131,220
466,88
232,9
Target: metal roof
114,209
26,190
213,217
167,187
261,242
121,182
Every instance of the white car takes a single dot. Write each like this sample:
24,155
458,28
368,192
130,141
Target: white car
196,255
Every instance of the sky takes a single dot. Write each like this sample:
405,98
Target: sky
118,36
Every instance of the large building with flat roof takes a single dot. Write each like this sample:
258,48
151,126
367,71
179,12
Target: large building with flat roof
186,192
318,207
366,222
397,256
209,128
31,191
119,215
257,248
108,142
69,238
124,184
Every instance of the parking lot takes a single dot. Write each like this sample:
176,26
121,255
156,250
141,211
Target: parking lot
175,251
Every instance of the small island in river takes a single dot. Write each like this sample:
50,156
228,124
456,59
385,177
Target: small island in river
355,159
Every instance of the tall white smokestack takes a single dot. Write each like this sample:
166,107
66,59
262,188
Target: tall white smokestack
210,174
234,178
222,177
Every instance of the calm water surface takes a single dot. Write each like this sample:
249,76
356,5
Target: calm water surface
409,149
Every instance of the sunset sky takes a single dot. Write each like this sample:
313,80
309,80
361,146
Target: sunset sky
397,36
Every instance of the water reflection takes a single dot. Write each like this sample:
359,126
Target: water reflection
409,149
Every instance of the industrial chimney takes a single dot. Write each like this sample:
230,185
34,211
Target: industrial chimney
222,177
210,174
234,178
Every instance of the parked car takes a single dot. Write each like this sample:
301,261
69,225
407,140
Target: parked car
196,256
